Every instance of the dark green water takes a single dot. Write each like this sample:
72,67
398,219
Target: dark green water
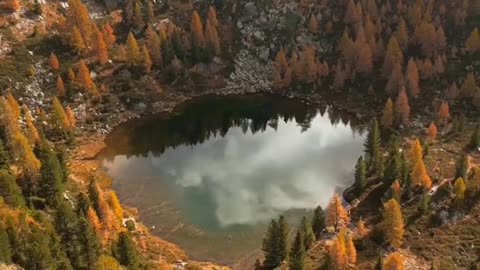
211,175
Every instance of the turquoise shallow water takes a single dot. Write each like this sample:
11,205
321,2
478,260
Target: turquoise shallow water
211,175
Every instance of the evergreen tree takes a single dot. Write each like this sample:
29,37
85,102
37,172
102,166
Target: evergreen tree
4,157
66,224
89,242
138,15
475,138
274,244
297,253
393,168
51,183
379,263
424,202
372,144
5,248
126,252
360,175
462,167
318,221
94,194
307,233
9,190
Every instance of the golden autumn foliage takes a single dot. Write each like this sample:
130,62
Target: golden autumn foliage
146,59
71,74
53,61
351,250
402,108
32,132
431,132
469,86
473,41
416,151
336,215
459,189
392,224
106,262
420,176
394,261
133,51
196,28
13,105
101,49
211,36
212,16
71,117
84,79
387,116
108,35
396,191
12,4
313,24
361,230
59,117
412,78
337,251
93,219
393,56
76,40
60,87
115,205
443,114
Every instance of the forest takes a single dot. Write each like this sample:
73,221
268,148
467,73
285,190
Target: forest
405,71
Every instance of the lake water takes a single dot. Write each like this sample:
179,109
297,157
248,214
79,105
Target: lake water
211,175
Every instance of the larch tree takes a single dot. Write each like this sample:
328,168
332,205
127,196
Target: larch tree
402,108
138,15
452,92
133,51
336,215
106,262
416,151
196,27
431,132
443,114
420,176
211,37
60,87
361,230
59,117
93,219
459,190
337,251
83,77
393,225
412,78
71,117
150,12
71,74
53,61
351,250
13,105
101,49
402,34
12,4
154,45
76,40
387,116
396,191
212,16
393,56
109,35
146,59
394,261
115,205
365,60
473,41
313,24
469,87
32,132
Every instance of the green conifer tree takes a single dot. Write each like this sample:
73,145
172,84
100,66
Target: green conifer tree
393,169
297,253
4,157
126,252
51,182
360,175
475,138
9,190
307,232
372,144
93,194
318,221
462,167
5,248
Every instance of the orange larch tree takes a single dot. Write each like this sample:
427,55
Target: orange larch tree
154,45
337,251
71,117
393,226
133,51
101,49
211,37
416,151
212,16
402,34
402,108
196,28
443,114
365,59
351,250
419,175
12,4
412,78
473,41
336,216
394,261
387,116
83,76
313,24
109,35
431,132
53,61
60,87
32,132
469,87
146,59
393,55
